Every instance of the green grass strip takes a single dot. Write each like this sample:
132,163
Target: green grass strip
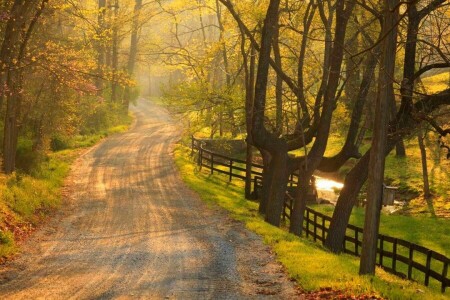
311,265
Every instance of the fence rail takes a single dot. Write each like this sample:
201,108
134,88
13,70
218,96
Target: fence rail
397,256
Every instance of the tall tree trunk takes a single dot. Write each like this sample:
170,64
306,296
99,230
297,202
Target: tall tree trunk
11,129
336,233
353,182
16,37
352,74
115,54
100,46
266,180
377,153
423,155
133,50
249,69
313,159
278,84
263,139
400,150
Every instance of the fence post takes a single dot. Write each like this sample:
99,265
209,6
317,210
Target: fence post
307,223
444,275
315,226
323,230
394,255
427,273
212,162
356,242
200,158
411,256
381,249
231,169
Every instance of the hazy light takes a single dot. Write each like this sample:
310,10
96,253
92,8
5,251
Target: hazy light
327,184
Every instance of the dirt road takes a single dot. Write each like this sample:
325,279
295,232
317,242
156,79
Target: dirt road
131,229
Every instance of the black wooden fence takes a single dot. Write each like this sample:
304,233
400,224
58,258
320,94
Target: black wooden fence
397,256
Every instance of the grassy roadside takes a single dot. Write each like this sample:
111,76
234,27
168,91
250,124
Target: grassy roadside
433,233
28,199
307,262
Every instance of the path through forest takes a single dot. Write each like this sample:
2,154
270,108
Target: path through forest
131,229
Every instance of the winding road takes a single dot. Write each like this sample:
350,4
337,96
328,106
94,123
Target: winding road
130,229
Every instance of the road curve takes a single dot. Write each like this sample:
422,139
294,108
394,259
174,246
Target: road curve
130,229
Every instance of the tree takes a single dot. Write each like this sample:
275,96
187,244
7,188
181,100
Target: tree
19,28
378,149
406,121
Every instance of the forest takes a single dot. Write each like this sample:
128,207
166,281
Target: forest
353,90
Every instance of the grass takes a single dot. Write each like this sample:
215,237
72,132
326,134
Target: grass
307,262
27,199
433,233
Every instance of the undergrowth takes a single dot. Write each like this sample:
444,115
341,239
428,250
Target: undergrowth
33,192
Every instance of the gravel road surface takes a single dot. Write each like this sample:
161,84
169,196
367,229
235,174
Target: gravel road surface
130,229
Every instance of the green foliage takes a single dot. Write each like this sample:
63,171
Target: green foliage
26,158
7,243
307,262
30,194
59,142
215,110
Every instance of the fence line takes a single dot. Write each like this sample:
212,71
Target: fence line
395,255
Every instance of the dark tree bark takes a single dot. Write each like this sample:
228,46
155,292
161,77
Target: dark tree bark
278,84
262,138
423,155
134,41
100,45
19,28
303,115
401,127
351,145
355,179
377,152
249,70
312,161
115,54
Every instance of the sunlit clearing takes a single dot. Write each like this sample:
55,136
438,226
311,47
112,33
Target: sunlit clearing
327,184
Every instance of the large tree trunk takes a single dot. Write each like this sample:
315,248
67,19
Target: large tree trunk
313,159
278,85
11,130
351,145
115,54
133,51
423,155
400,150
100,46
377,153
266,180
278,186
353,183
16,37
357,176
249,69
262,138
399,128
